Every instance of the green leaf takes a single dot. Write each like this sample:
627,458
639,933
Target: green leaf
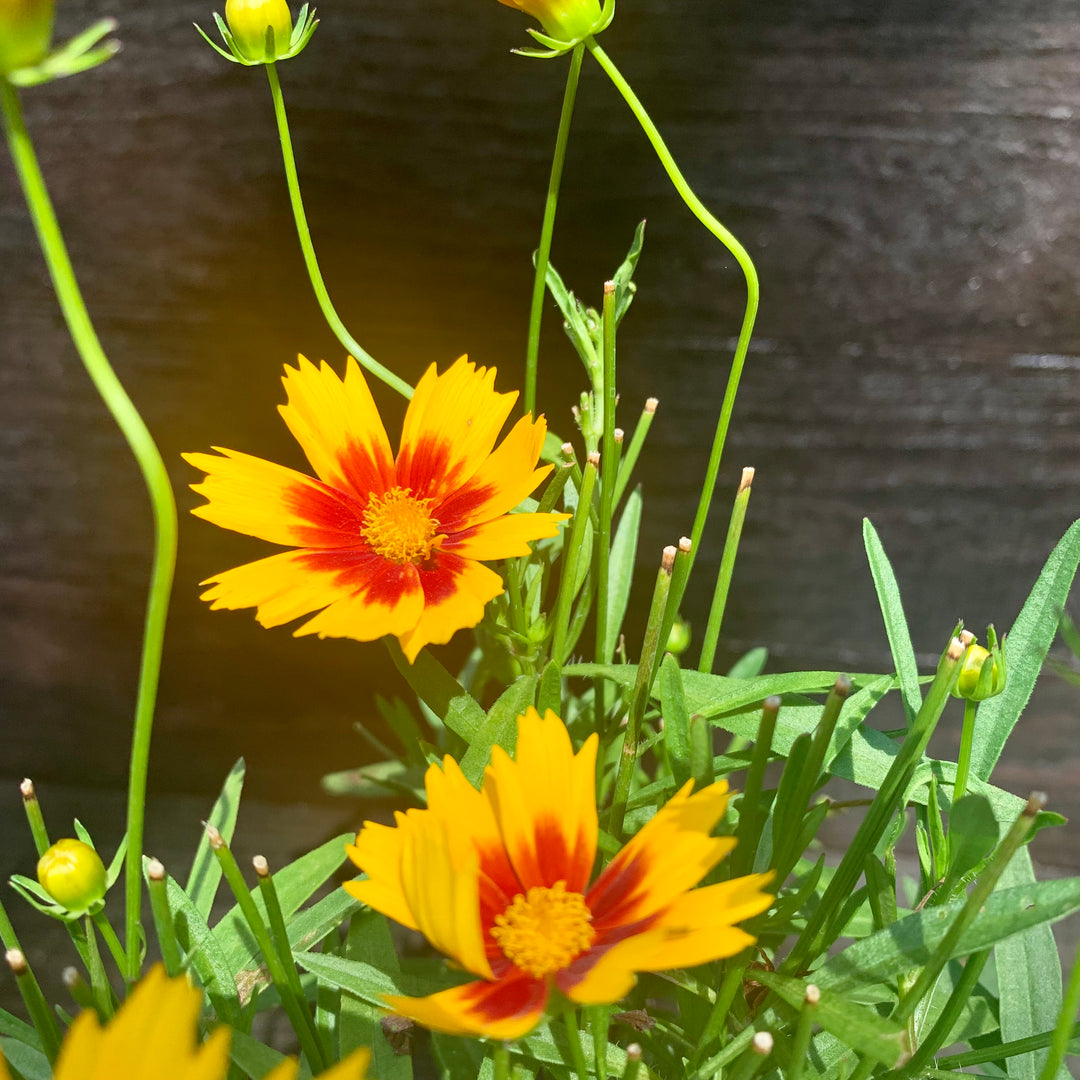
500,726
369,939
896,627
32,1064
308,927
549,694
202,883
749,664
909,942
974,832
368,982
400,720
624,287
676,721
256,1058
621,568
11,1027
294,883
1029,978
853,712
440,692
1025,649
860,1027
377,781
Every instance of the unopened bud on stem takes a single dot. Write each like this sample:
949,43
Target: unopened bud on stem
249,21
73,874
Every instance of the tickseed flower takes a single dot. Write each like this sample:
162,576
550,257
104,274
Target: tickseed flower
382,546
73,874
25,32
499,881
154,1035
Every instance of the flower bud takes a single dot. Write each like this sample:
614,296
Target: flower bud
25,32
248,22
73,874
679,638
564,20
982,673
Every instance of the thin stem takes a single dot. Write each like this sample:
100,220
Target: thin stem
727,238
35,819
543,253
967,740
1004,1050
573,1035
310,261
637,440
804,1028
608,477
163,920
154,476
108,935
40,1014
732,982
1066,1024
727,569
573,550
501,1060
751,819
599,1023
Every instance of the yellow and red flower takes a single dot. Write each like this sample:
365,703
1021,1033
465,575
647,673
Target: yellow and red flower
499,881
564,20
381,546
154,1034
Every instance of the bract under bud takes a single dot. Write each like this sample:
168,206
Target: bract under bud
564,20
248,22
73,874
25,32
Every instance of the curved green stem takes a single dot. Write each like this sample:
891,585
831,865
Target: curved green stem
306,246
543,253
698,209
154,475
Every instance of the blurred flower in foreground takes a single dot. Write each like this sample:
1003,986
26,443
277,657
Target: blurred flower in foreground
498,880
382,546
25,32
154,1035
73,874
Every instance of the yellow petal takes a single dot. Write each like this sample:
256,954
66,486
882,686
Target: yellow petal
455,593
389,601
211,1062
377,851
506,1009
504,537
545,803
669,855
286,1070
354,1067
257,497
450,427
338,427
79,1053
507,476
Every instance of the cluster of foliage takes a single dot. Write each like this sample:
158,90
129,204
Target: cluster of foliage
563,847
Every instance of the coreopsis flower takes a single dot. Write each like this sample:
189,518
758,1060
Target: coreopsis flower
381,545
154,1035
499,881
564,20
73,874
25,32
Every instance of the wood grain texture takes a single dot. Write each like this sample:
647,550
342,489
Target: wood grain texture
904,174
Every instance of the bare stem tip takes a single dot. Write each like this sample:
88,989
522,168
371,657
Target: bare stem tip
967,638
667,560
262,867
813,994
772,703
609,287
955,650
1036,802
747,479
633,1052
594,458
217,841
155,870
27,789
685,545
568,451
762,1043
651,404
619,434
16,961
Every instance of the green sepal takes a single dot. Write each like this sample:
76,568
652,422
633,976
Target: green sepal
558,47
302,30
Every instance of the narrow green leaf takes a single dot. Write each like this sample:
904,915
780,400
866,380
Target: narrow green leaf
621,568
256,1058
32,1064
500,726
440,692
1025,649
308,927
896,627
860,1027
295,884
549,694
624,287
1029,978
749,664
11,1027
676,721
974,832
202,882
910,942
369,939
368,982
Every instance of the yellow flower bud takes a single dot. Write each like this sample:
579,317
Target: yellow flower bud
564,20
73,874
25,32
982,673
248,22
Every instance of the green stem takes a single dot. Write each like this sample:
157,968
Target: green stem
163,920
727,569
577,1052
543,252
310,261
608,477
751,819
1066,1025
573,550
624,774
40,1014
735,970
967,739
637,440
501,1060
804,1029
1004,1050
108,935
35,819
699,210
154,476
